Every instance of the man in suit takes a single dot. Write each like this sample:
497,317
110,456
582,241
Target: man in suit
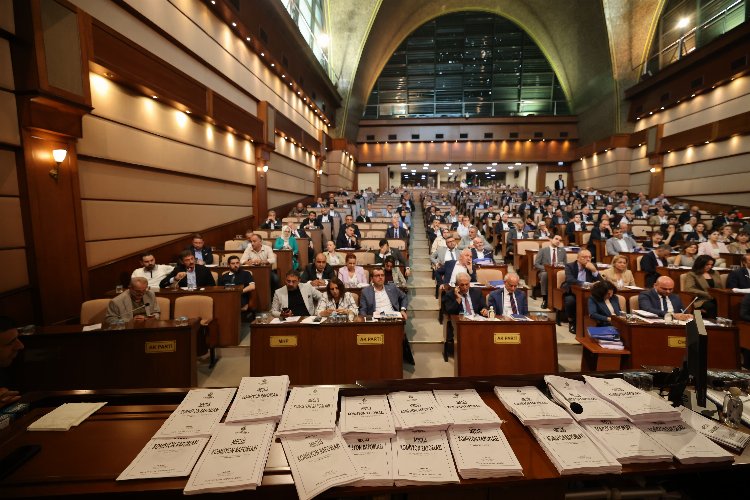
480,253
398,257
468,240
317,272
619,242
201,252
294,299
349,221
188,273
447,274
586,216
608,210
655,258
554,254
452,218
559,218
740,278
381,297
462,299
600,232
271,221
347,238
397,229
311,222
660,300
135,303
323,218
236,276
388,211
574,225
576,273
508,299
559,183
363,217
445,253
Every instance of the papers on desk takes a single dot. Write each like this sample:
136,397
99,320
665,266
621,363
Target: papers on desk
741,290
418,410
474,317
637,405
198,414
319,462
465,408
165,458
476,284
582,404
482,452
90,328
572,451
310,410
626,442
65,416
633,287
259,398
310,320
531,406
423,457
373,457
290,319
366,416
234,459
685,443
715,431
645,314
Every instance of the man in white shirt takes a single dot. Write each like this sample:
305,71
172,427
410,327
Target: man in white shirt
151,271
463,227
258,253
463,265
380,297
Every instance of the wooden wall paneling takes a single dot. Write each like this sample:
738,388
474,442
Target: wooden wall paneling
294,131
260,193
19,304
227,113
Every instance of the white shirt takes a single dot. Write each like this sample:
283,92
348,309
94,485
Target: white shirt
382,301
623,244
154,277
265,253
458,268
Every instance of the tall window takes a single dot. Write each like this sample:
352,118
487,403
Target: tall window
686,25
310,18
469,64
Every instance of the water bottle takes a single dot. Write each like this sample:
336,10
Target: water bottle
491,313
334,317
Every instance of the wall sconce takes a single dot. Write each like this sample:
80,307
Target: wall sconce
652,170
319,172
265,168
59,156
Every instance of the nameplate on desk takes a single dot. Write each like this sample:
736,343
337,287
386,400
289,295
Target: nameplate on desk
283,341
370,339
680,342
507,338
161,346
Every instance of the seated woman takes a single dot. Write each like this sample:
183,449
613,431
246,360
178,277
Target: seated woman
336,299
618,273
352,275
603,304
333,258
686,258
288,242
699,280
714,248
726,235
698,234
741,245
392,273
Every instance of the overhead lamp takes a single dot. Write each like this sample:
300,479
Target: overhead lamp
59,156
683,22
449,164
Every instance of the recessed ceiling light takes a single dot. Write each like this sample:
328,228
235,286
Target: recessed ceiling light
494,164
154,97
234,25
449,164
247,38
262,54
272,65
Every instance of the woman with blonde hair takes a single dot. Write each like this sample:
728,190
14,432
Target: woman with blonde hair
618,273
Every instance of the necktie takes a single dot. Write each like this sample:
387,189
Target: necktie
554,255
396,233
664,306
467,306
513,304
451,254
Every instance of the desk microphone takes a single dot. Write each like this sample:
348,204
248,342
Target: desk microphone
576,408
143,306
688,306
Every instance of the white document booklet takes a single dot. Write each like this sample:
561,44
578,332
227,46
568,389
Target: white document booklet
626,442
715,431
259,398
65,416
374,459
581,403
637,405
572,451
417,410
165,458
367,415
466,408
309,410
531,406
685,443
482,452
423,457
198,414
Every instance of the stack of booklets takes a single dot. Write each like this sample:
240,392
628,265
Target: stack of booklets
606,336
718,398
715,431
418,410
572,451
465,408
482,452
685,443
423,456
234,459
172,457
582,404
198,415
309,410
626,442
65,416
531,406
637,405
259,398
319,462
368,416
373,457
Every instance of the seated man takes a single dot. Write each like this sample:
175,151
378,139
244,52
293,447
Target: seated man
660,300
294,299
447,274
136,303
574,225
363,216
462,299
576,273
655,258
311,222
348,221
323,218
481,254
298,210
188,274
238,276
202,253
10,344
740,278
397,229
271,222
619,242
258,253
600,232
471,235
398,257
388,211
553,254
509,300
381,298
152,271
444,253
318,272
347,238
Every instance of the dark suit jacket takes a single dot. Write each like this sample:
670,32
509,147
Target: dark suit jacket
398,298
361,218
203,277
302,233
739,278
649,265
208,256
651,301
341,241
571,276
445,272
309,273
559,184
570,230
486,254
356,230
598,310
269,224
306,223
402,233
496,298
241,277
319,220
398,257
597,234
450,306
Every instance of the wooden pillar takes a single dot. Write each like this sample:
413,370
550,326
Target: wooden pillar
260,193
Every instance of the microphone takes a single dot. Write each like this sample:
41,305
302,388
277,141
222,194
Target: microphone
688,306
142,306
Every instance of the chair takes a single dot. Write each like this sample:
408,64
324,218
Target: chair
397,243
93,311
485,275
164,307
585,237
724,280
633,303
225,257
557,294
202,307
621,299
216,276
233,245
274,234
639,231
365,258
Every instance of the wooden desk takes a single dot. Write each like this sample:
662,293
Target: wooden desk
520,247
150,353
744,328
596,358
504,347
582,296
600,247
327,353
727,303
731,259
663,345
262,279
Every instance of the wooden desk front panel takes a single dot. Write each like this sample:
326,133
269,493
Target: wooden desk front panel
226,308
727,303
477,354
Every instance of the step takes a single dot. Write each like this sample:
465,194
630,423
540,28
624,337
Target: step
429,362
423,303
424,329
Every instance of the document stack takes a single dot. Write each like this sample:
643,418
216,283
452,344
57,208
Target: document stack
423,456
572,451
626,442
685,443
637,405
716,432
483,452
374,459
366,416
319,462
234,459
582,404
165,458
606,336
198,415
531,406
310,410
465,408
259,398
418,410
65,416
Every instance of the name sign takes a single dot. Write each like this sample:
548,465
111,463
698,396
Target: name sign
161,346
679,342
283,341
370,339
507,338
